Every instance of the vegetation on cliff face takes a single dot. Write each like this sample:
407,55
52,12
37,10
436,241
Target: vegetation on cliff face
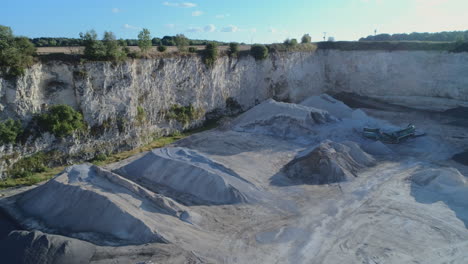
9,131
16,53
60,120
184,114
28,166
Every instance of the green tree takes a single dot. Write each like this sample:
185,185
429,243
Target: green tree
144,40
16,53
233,48
94,49
60,120
181,42
114,51
259,52
9,131
290,42
210,54
306,39
156,41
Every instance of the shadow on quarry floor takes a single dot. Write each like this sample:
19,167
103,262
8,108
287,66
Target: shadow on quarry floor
6,224
424,196
281,180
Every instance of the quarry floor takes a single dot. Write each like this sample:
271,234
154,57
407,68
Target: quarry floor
380,216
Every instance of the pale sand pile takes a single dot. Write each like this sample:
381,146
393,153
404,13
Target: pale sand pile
188,171
85,199
282,120
329,104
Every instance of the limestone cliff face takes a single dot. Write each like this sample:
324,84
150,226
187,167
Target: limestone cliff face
421,79
110,96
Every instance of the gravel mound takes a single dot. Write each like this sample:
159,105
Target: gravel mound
188,171
282,120
448,185
330,162
23,247
329,104
88,201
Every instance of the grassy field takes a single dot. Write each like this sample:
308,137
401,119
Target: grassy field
387,45
79,50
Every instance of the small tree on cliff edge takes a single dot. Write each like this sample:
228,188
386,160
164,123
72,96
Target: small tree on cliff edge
306,39
259,52
181,42
94,49
144,40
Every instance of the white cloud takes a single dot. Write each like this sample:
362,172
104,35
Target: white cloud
180,4
116,10
273,30
210,28
171,26
253,30
194,29
197,13
127,26
230,28
221,16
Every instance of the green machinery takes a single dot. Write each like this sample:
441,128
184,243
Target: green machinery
392,137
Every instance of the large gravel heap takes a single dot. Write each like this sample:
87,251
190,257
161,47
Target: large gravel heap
189,172
330,162
86,199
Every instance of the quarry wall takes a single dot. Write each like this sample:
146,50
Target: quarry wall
112,97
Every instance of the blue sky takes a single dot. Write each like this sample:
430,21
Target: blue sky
259,21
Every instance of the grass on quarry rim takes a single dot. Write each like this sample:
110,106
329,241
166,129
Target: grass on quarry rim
158,143
51,172
31,180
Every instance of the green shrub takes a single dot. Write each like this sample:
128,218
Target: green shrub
192,49
60,120
291,42
306,39
184,114
16,53
259,52
141,115
26,167
162,48
210,54
233,48
287,47
460,47
94,49
9,131
100,157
